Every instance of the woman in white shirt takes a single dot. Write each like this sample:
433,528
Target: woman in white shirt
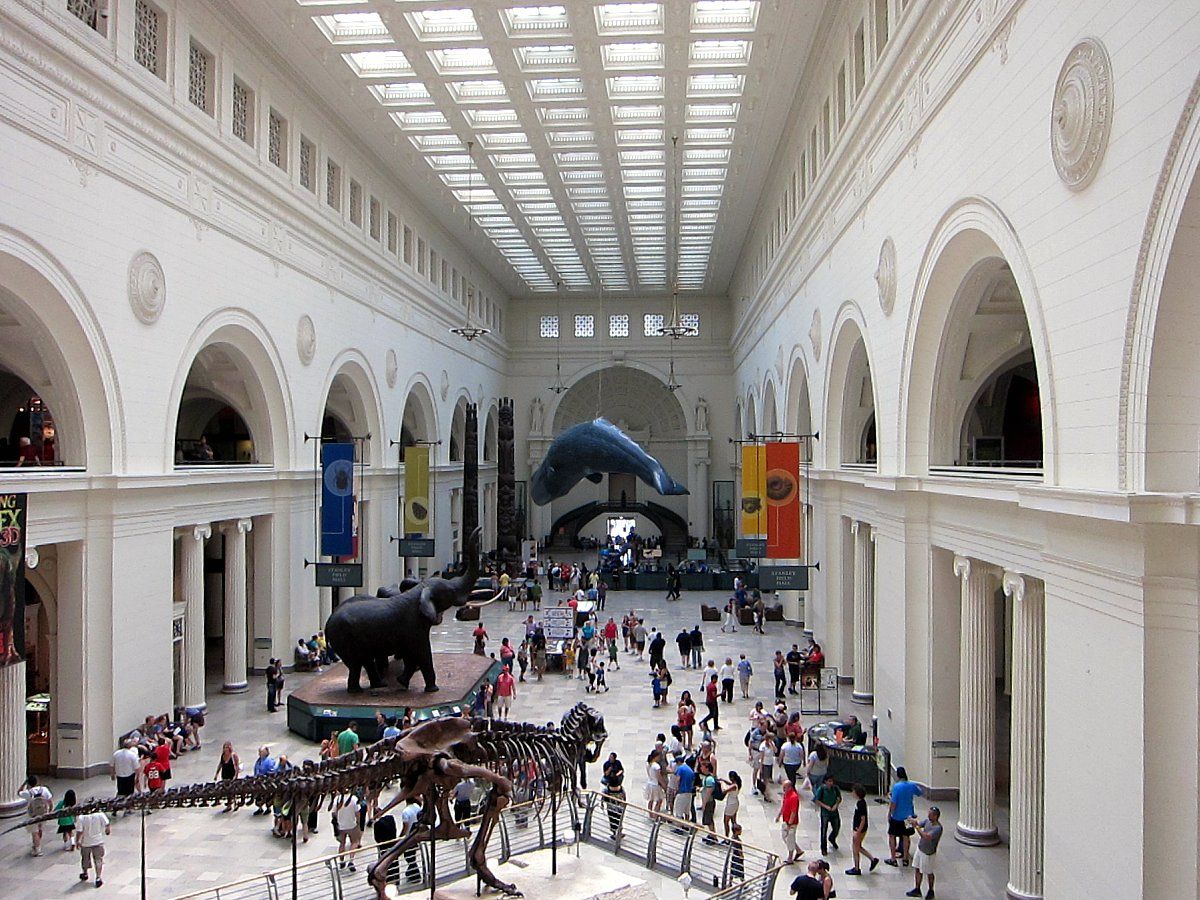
733,799
656,789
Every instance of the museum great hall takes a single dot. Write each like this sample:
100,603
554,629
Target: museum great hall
947,246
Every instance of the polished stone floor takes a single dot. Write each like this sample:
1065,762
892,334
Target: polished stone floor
188,850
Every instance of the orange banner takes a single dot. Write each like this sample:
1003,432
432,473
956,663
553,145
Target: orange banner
782,497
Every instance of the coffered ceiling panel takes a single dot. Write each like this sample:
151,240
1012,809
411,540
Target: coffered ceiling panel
620,146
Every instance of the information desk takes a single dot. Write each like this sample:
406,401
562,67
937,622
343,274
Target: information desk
851,765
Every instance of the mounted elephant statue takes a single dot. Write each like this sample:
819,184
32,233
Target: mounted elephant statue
365,631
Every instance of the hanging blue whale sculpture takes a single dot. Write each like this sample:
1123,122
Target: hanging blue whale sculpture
591,450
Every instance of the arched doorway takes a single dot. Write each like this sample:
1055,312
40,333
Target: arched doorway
850,427
223,413
639,404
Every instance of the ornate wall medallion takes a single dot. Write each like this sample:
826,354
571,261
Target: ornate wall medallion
1082,114
147,287
306,339
885,276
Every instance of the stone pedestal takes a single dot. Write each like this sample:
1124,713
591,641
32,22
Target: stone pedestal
235,606
864,612
193,620
977,706
12,738
1028,735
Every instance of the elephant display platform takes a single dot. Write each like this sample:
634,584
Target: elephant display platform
322,703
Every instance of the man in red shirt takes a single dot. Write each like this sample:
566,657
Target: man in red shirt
506,692
710,700
162,755
789,815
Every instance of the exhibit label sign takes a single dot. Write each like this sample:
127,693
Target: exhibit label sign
421,547
750,548
559,623
337,575
783,578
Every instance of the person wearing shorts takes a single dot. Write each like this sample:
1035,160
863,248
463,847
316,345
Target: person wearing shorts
929,835
349,831
90,830
900,810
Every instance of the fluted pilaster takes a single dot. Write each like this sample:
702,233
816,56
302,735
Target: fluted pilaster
1028,735
864,612
193,615
235,606
12,738
977,706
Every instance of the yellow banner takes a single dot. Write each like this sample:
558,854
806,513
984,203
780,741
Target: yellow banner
416,490
754,489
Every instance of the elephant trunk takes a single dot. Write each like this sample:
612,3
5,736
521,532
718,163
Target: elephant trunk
463,584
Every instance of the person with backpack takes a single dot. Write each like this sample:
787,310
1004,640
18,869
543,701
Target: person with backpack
66,823
38,798
730,790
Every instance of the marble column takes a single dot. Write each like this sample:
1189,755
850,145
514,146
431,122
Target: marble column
864,612
977,706
13,762
235,606
1028,735
193,616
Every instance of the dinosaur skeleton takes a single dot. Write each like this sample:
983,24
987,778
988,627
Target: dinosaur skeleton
426,761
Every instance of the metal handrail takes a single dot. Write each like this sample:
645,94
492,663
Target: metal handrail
760,886
274,882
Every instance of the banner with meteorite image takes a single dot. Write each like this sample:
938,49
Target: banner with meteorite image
782,499
754,472
416,491
12,578
337,499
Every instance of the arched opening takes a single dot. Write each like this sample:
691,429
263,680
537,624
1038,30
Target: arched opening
975,395
418,424
51,411
490,448
224,416
352,410
458,430
750,416
770,420
1172,448
639,404
986,404
850,428
798,413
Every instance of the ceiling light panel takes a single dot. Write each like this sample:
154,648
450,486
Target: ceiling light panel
724,15
570,138
402,93
635,87
354,28
555,89
632,137
719,53
629,19
633,56
379,64
505,140
642,114
437,143
420,120
458,61
575,158
505,119
536,21
559,116
708,135
547,58
482,90
444,25
712,112
714,84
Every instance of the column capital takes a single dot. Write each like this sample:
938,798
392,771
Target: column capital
962,566
241,525
872,533
201,532
1018,586
32,557
854,526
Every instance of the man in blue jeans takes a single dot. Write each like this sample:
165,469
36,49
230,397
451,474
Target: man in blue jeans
900,810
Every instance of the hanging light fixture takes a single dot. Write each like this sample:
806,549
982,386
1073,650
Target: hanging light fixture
467,330
558,387
675,329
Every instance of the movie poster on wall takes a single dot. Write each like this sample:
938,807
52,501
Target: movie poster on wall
12,578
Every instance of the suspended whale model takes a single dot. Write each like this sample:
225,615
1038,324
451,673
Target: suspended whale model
590,450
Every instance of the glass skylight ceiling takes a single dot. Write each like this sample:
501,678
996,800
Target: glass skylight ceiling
551,124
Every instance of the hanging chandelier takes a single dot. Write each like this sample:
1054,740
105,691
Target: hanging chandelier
675,329
467,330
558,387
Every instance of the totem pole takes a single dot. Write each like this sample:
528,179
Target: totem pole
507,539
470,502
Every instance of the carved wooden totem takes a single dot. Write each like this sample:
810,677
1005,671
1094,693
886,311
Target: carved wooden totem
470,502
507,539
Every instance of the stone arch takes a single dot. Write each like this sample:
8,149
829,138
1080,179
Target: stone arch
770,408
630,394
1158,434
750,414
975,308
352,398
798,413
54,345
232,362
418,421
456,443
851,397
490,449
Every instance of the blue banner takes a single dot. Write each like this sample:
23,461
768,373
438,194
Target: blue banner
337,499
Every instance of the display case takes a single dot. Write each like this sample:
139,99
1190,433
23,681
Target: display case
37,729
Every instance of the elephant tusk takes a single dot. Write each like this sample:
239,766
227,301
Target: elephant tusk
480,604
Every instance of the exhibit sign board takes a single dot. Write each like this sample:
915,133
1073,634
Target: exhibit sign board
750,548
337,499
754,473
337,575
416,490
420,547
782,500
783,578
559,623
13,508
699,554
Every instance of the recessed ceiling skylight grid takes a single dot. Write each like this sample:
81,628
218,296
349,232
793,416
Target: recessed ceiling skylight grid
483,90
418,120
379,64
458,61
635,87
402,93
712,112
709,135
629,18
427,143
715,85
724,15
547,57
631,137
555,89
573,158
536,20
491,118
443,24
719,53
354,28
505,140
633,56
558,116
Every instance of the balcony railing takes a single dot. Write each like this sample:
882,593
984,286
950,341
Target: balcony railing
654,840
